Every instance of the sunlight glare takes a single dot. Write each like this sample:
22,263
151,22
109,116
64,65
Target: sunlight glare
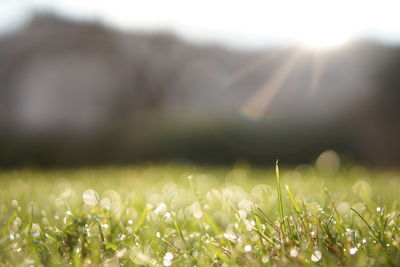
323,26
323,40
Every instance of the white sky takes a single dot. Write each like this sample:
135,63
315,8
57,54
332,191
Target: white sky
240,23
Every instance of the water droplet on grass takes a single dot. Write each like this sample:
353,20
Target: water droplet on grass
167,263
353,251
265,259
161,209
247,248
245,205
112,200
196,210
230,236
242,214
14,203
168,257
316,256
121,237
90,197
121,253
294,252
105,203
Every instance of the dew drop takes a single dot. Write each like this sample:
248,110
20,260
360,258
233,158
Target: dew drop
90,197
105,203
247,248
316,256
168,256
294,252
167,260
121,253
14,203
161,209
265,259
353,251
230,236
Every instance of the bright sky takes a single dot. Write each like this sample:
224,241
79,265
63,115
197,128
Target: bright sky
240,23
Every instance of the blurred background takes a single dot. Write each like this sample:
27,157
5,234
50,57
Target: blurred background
206,82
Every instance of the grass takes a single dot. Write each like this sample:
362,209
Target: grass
175,216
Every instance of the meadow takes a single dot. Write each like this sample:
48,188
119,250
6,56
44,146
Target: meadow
171,215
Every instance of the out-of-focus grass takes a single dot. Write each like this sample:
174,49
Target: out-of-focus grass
174,215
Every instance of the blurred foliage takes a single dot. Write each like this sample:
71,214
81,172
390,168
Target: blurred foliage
78,93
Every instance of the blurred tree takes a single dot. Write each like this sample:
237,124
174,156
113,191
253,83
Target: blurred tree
385,109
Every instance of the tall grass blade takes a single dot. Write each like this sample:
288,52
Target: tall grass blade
280,202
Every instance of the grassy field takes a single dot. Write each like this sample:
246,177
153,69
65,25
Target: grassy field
187,216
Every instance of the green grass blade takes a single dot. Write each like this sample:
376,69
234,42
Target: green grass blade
280,202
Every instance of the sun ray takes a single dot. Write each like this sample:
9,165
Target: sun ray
259,102
249,68
317,68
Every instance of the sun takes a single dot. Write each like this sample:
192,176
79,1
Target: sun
321,26
319,33
323,40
